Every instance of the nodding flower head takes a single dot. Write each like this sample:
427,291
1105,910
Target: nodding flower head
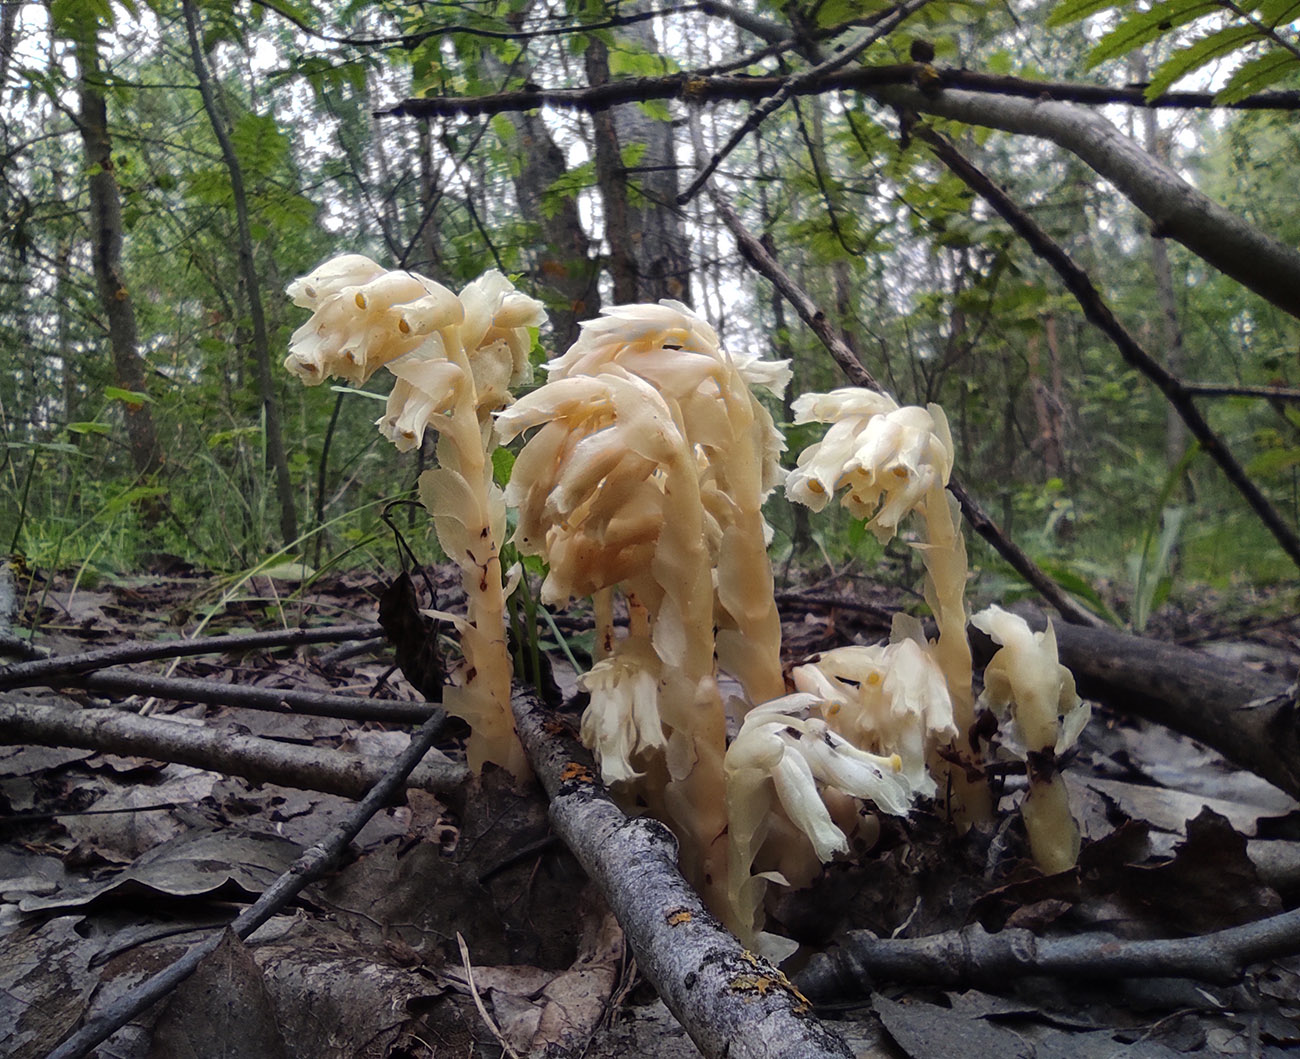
892,698
588,484
798,753
364,317
886,458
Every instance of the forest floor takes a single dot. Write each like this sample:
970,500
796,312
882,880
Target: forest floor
111,866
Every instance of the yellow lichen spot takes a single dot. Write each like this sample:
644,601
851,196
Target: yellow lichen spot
695,88
900,472
403,326
678,916
874,678
575,771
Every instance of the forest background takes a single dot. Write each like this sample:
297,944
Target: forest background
165,171
1071,224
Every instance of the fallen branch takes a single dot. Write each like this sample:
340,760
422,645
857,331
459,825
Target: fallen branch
960,959
757,255
306,869
28,674
255,759
276,700
1253,257
731,1002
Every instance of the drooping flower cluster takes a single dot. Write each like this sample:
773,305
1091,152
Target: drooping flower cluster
455,358
890,462
1026,679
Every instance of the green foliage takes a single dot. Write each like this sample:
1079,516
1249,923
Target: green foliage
1218,37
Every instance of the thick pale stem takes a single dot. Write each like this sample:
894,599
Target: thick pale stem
602,605
944,555
690,705
1052,831
483,698
749,640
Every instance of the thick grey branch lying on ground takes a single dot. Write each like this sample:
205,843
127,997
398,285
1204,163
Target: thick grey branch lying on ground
1177,210
217,749
731,1002
974,957
276,700
314,863
29,674
1248,717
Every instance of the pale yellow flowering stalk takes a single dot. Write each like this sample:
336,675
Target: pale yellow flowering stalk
1025,676
455,358
780,765
891,461
738,449
890,699
608,493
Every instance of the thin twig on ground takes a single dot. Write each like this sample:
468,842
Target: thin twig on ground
974,957
27,674
276,700
1099,314
306,869
253,758
757,255
730,1002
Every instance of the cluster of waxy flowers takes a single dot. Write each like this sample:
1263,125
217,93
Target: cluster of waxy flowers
647,463
886,458
646,476
455,359
1026,679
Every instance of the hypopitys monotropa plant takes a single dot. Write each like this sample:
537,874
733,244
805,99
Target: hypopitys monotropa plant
1026,679
891,462
455,358
644,475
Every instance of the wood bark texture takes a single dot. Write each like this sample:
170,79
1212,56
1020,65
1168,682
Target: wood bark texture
731,1002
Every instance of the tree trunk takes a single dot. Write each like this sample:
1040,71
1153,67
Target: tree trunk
649,257
565,276
252,284
1170,329
106,252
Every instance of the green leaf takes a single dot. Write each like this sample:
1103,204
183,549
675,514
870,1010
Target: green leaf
627,60
1257,74
567,185
1143,27
130,397
656,109
1074,10
1077,586
86,427
1192,58
632,154
1273,461
503,462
